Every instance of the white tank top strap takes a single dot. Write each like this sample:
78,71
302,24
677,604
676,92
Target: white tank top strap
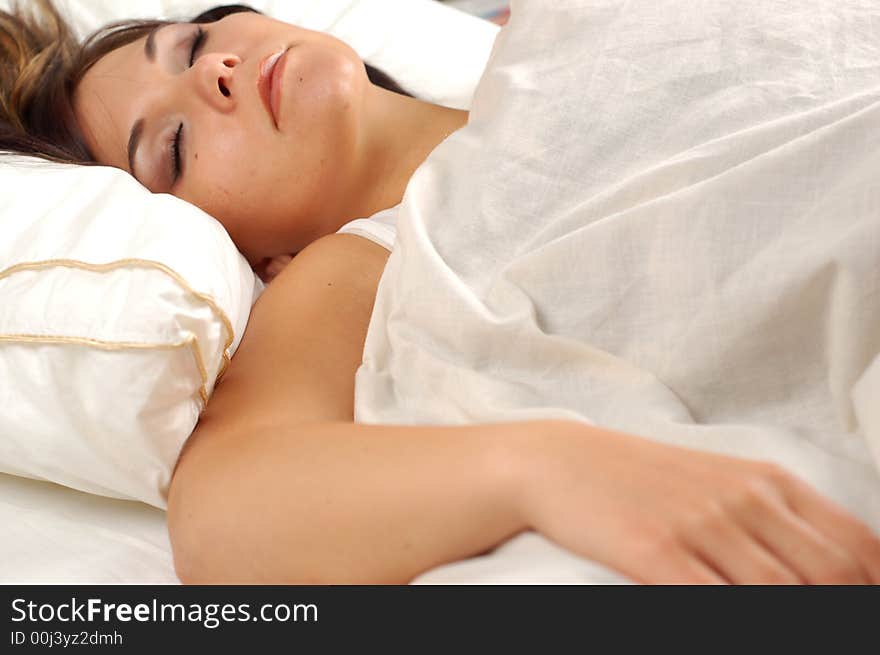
380,228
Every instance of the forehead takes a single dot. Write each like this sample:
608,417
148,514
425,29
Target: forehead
108,98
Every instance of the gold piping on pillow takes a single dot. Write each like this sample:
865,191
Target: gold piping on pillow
191,341
145,263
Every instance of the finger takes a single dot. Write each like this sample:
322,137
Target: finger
674,563
794,540
260,269
689,570
837,525
733,551
279,263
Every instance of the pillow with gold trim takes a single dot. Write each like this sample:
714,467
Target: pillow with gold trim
112,334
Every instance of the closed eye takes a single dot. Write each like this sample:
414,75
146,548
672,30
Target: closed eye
199,39
176,165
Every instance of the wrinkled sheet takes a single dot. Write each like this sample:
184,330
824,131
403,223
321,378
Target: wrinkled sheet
663,217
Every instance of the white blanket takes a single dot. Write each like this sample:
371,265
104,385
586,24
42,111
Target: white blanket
663,217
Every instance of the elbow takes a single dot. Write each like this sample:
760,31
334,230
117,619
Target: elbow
184,521
199,528
199,546
200,517
223,532
212,540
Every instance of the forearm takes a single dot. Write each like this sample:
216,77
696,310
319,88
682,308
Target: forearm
343,503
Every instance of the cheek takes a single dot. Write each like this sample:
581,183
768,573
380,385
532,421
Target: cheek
243,198
325,88
226,170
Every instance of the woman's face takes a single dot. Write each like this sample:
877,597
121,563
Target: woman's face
194,124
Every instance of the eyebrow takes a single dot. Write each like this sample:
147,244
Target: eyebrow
134,140
150,44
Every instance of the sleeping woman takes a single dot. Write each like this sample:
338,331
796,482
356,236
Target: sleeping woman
295,146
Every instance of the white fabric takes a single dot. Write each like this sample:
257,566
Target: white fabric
663,217
53,534
380,228
120,308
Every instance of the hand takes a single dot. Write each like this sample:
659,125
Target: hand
662,514
269,268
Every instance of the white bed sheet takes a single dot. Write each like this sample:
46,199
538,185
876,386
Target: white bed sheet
55,535
663,217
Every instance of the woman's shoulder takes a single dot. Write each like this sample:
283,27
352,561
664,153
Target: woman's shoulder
380,228
340,253
308,325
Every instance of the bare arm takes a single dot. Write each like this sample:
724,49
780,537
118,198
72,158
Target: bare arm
277,484
341,503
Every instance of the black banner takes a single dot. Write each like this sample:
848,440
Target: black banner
417,618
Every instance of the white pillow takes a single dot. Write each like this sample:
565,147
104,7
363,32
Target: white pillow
120,307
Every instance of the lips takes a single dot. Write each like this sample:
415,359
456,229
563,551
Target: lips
269,83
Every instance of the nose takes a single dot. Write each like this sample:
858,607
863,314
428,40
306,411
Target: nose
215,75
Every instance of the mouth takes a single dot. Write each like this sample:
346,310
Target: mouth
269,83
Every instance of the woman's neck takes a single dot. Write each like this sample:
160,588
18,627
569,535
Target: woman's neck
399,134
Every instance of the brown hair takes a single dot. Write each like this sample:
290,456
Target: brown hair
41,64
